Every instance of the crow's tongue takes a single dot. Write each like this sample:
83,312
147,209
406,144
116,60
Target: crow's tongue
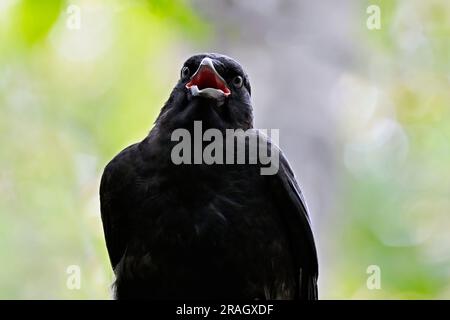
207,78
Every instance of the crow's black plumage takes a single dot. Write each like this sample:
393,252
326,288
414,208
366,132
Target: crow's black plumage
205,231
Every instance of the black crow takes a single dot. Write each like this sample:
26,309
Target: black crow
205,230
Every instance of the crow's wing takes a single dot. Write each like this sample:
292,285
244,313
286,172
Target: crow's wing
294,214
115,205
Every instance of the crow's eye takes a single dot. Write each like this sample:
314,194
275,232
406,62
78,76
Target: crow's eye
185,72
238,81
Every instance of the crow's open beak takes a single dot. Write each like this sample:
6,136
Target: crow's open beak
207,82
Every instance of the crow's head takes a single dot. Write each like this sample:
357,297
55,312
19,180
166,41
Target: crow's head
212,88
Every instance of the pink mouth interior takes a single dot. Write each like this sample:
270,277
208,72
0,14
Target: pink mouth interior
207,78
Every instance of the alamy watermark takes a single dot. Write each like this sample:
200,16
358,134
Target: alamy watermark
373,21
235,146
73,21
73,281
374,279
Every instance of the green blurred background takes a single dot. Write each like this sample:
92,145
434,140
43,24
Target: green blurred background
365,122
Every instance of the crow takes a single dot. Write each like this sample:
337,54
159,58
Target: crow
205,231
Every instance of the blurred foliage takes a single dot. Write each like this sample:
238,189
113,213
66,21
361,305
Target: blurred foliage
35,18
395,135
